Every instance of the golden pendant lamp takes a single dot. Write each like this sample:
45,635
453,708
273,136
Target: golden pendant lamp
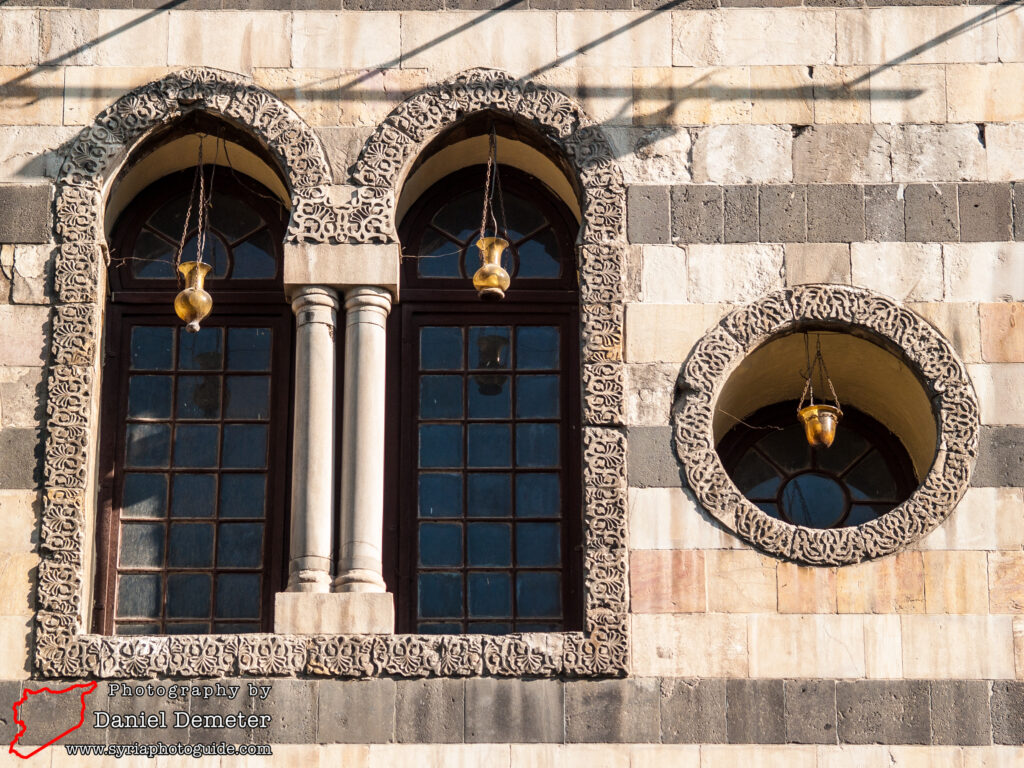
193,304
819,420
491,280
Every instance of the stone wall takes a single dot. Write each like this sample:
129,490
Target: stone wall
762,148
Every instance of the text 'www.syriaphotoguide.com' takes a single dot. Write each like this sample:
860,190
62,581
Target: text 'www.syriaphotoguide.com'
160,749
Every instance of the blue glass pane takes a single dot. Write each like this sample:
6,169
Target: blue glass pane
838,457
755,477
194,496
537,626
490,544
489,347
539,595
787,447
872,480
440,397
242,495
254,259
439,628
144,495
537,445
138,595
136,629
238,596
438,256
489,396
240,545
537,397
489,445
440,349
861,513
195,445
188,595
149,445
489,628
440,445
521,217
440,544
489,495
490,595
440,494
249,349
215,253
149,397
247,397
538,495
245,445
537,347
198,397
538,256
769,509
236,627
188,628
153,257
142,545
440,595
202,351
233,217
152,348
814,500
461,216
190,545
538,544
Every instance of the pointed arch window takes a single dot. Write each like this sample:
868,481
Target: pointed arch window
195,430
484,456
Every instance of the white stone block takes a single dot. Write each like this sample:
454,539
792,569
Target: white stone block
843,154
852,756
342,266
654,155
65,36
817,263
1005,148
18,512
664,274
933,647
520,42
772,36
29,152
983,271
781,95
934,756
915,93
613,39
19,36
985,519
985,92
657,333
757,756
938,153
914,35
133,38
736,272
810,645
335,613
905,271
993,757
841,94
670,518
31,96
691,95
439,755
24,340
1000,389
236,41
345,41
883,643
570,756
1010,34
689,645
650,390
958,322
90,90
743,154
15,632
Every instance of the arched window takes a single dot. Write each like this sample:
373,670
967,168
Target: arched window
195,425
483,460
864,474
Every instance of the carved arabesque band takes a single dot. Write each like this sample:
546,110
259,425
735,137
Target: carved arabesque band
322,212
739,333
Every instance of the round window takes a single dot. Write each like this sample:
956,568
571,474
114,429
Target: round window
864,474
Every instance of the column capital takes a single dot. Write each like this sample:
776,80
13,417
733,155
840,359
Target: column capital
343,266
314,304
367,297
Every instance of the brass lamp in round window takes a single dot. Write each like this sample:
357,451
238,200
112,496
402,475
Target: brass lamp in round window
820,420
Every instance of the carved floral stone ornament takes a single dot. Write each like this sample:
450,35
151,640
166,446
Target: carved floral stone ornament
322,212
937,366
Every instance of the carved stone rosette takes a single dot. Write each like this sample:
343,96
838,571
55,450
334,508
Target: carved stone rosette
322,212
739,333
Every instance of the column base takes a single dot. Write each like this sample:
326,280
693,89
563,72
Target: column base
334,613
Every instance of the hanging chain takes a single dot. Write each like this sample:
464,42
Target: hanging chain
487,192
196,181
819,364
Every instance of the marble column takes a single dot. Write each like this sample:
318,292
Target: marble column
309,566
361,533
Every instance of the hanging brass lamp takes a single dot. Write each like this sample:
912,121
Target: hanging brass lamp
819,420
491,280
193,304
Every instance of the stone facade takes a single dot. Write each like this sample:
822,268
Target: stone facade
739,170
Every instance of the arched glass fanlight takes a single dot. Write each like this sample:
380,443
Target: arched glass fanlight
491,280
819,420
194,304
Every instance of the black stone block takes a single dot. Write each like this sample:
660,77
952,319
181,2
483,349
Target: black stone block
356,712
430,711
613,711
835,213
740,210
25,213
514,711
883,712
693,711
811,711
884,214
696,214
1008,712
651,458
755,711
930,213
986,212
783,213
648,219
960,712
1000,458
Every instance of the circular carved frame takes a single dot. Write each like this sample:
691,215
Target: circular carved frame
739,333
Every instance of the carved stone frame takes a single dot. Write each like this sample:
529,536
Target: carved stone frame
361,212
739,333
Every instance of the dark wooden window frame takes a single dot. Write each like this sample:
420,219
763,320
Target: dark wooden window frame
240,303
448,301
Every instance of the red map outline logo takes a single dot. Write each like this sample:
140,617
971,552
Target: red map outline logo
22,726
